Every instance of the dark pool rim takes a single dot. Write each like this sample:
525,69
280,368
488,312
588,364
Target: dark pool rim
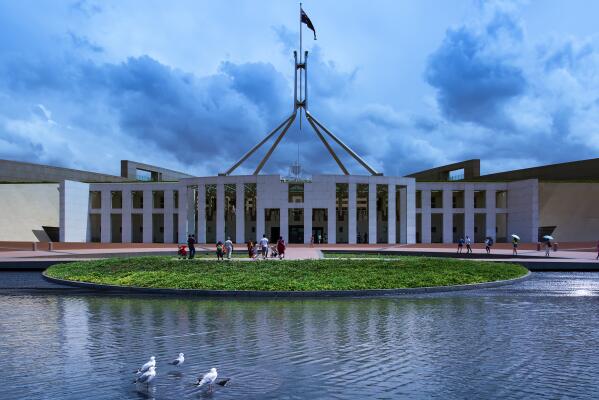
280,293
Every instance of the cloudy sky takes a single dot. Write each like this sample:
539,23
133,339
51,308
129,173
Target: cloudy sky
191,85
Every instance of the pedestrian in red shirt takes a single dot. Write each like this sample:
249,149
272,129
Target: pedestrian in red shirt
281,247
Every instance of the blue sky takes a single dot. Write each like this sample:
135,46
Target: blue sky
191,85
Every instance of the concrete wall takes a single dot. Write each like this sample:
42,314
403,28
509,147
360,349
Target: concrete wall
25,208
17,171
129,170
573,208
469,219
523,209
73,217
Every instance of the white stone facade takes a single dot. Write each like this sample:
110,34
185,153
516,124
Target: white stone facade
328,209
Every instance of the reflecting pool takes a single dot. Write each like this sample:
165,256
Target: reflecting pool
536,339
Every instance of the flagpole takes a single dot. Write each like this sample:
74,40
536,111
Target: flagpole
300,97
301,61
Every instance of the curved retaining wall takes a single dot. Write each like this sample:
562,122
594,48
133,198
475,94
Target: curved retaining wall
262,293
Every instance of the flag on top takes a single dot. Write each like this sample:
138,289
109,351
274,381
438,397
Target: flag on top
306,20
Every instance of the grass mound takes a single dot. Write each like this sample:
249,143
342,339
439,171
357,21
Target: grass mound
300,275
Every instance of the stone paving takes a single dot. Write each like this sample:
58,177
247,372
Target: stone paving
309,252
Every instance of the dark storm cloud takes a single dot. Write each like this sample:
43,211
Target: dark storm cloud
472,84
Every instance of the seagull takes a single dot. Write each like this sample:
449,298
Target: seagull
208,378
147,376
144,368
178,361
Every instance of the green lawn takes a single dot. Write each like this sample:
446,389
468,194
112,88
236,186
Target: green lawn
361,255
300,275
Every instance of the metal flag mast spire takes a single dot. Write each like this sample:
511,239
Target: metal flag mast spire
300,103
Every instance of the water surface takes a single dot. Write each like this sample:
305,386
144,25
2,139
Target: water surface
536,339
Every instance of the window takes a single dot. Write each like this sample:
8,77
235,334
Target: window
95,199
480,198
419,199
117,199
457,199
137,199
296,192
436,199
158,199
176,198
501,199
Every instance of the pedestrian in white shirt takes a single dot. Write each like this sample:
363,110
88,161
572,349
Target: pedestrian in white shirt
229,247
264,246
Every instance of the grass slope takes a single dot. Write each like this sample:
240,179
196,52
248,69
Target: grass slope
301,275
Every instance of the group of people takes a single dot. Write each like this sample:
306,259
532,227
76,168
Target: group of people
275,251
224,249
468,242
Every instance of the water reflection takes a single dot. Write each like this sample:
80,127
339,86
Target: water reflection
537,339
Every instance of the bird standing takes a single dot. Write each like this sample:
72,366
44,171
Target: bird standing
178,361
147,376
208,378
144,368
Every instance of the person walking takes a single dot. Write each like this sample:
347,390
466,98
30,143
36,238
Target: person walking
468,245
460,245
220,251
488,244
547,248
250,246
264,246
229,247
191,244
597,258
514,246
281,247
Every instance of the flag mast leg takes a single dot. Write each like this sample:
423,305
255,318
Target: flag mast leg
256,147
327,145
343,145
300,65
275,144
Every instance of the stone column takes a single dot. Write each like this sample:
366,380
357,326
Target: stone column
490,216
147,216
201,211
284,221
260,211
351,214
372,215
411,212
307,224
220,212
240,213
169,209
183,204
126,218
391,215
190,211
447,215
332,224
403,216
426,216
105,222
469,212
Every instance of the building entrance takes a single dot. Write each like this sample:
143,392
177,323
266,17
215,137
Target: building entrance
296,234
318,235
275,232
